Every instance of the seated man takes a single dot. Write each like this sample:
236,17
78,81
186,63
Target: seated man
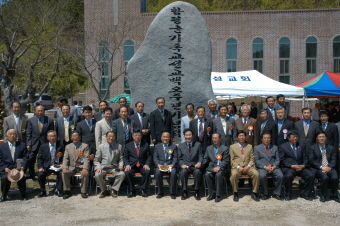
137,159
267,161
109,159
322,160
243,163
50,155
216,158
165,159
294,159
190,157
76,160
10,152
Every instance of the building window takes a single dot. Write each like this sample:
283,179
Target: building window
311,54
284,55
104,67
336,54
143,6
258,54
231,55
129,51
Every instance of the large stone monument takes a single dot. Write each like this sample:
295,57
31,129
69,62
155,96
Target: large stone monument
174,62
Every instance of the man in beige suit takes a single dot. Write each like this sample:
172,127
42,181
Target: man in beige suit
109,159
242,163
16,121
76,160
248,125
103,126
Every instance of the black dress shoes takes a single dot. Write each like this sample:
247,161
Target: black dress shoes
67,194
218,199
143,193
84,195
277,197
131,194
160,195
287,198
211,197
173,196
337,199
236,197
58,193
197,195
3,198
322,198
255,197
185,195
42,194
306,197
23,197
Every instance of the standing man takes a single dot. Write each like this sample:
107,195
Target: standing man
185,120
253,111
123,127
141,121
294,159
165,158
248,125
160,121
76,160
267,126
190,157
65,125
10,152
122,103
267,161
37,128
50,154
100,115
323,162
330,129
316,112
61,102
103,126
109,159
216,158
231,112
270,109
212,113
281,104
80,108
284,125
137,159
16,121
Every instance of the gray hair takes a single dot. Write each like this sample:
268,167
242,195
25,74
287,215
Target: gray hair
245,105
11,130
281,108
212,100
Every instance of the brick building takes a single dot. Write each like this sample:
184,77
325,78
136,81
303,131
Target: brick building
290,46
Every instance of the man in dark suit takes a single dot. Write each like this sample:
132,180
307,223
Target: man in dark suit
225,126
267,126
202,127
137,159
330,129
141,121
65,125
323,162
249,125
284,125
50,154
307,129
190,157
100,115
123,127
253,111
37,129
16,121
212,113
160,121
165,157
122,103
267,161
216,159
270,109
294,160
281,104
10,152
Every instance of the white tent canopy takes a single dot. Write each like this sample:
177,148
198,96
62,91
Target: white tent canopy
249,83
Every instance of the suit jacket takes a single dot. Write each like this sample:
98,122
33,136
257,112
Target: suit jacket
229,137
105,159
270,116
60,128
34,137
210,157
253,112
99,116
116,115
276,106
102,127
310,139
236,155
87,134
73,112
288,125
194,157
262,159
208,115
146,125
288,158
332,134
118,129
270,127
315,156
159,158
71,162
9,123
206,134
130,154
254,138
158,125
44,155
6,160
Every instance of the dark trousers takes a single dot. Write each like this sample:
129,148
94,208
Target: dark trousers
278,177
306,175
329,178
214,182
184,174
42,179
159,180
131,173
31,161
6,184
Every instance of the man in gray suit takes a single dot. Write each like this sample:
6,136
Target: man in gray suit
123,127
109,159
225,126
190,157
267,161
281,104
103,126
61,102
16,121
65,125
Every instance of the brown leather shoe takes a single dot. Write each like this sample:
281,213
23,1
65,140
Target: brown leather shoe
104,193
113,193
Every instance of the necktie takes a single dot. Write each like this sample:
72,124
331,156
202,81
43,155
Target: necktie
75,152
262,126
215,150
66,125
244,121
189,148
40,125
17,124
12,150
279,124
305,128
126,130
242,150
224,124
162,113
273,113
137,151
165,149
294,149
324,157
213,115
89,124
324,126
201,131
52,151
140,120
267,150
111,149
